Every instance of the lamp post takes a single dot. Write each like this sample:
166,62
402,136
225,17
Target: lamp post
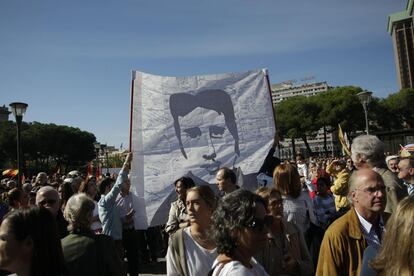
97,147
365,98
18,110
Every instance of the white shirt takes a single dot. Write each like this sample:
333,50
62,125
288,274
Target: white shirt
368,231
299,211
199,259
124,205
236,268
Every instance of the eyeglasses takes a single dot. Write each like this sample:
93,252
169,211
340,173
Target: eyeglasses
374,190
47,201
258,225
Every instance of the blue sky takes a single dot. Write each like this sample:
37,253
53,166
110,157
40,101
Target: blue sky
71,61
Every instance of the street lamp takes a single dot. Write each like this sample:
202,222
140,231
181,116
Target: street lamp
18,110
97,147
365,99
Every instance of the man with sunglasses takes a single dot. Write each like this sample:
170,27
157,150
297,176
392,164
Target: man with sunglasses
48,197
346,239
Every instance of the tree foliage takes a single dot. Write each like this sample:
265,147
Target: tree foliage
300,117
341,106
401,107
296,117
46,145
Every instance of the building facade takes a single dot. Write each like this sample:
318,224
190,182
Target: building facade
286,90
400,27
4,113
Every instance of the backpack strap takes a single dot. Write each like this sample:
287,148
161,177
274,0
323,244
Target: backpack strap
177,245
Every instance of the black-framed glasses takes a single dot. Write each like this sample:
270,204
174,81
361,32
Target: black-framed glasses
374,190
258,225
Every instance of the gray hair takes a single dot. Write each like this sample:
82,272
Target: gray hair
352,186
78,211
369,149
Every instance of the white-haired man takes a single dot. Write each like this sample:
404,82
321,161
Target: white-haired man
368,152
392,163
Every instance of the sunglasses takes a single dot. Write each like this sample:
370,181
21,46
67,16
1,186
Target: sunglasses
257,225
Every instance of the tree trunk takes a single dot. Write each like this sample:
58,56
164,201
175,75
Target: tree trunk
308,149
293,148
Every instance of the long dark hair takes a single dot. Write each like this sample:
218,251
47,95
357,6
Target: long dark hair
186,181
39,224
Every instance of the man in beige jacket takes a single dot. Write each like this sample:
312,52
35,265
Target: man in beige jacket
346,239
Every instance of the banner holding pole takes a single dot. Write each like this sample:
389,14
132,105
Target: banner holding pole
193,126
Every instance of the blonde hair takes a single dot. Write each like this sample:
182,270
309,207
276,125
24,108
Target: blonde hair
396,257
286,180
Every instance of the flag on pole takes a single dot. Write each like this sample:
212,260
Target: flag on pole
10,172
98,172
343,139
89,170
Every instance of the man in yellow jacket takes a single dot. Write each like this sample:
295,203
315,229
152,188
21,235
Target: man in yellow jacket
338,169
346,239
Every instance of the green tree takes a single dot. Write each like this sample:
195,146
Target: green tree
400,109
340,106
47,146
297,118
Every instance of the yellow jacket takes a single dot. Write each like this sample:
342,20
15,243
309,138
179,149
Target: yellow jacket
340,186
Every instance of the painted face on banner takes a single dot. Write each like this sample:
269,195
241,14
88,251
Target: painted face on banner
203,132
204,122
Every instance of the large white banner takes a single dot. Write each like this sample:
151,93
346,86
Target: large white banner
193,126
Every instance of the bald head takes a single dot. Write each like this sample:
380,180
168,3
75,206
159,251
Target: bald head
48,198
367,192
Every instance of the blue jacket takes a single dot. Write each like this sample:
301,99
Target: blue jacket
109,213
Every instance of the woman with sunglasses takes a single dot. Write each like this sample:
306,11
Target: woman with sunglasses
191,250
240,230
285,252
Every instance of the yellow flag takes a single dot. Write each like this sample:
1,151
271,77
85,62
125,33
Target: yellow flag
345,146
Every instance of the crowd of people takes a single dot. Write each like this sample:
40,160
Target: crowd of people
324,216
